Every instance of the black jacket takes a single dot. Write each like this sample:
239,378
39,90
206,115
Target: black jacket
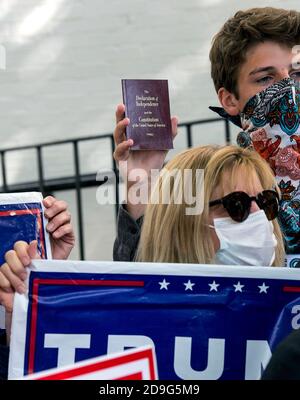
128,236
285,361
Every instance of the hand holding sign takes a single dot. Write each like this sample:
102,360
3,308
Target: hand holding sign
59,226
62,239
12,275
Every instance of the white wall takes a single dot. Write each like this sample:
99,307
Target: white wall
65,60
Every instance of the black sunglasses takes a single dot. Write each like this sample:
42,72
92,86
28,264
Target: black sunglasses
238,204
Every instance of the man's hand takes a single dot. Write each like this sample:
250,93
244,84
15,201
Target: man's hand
139,159
12,275
59,226
13,272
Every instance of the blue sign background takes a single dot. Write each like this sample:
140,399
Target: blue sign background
161,314
19,227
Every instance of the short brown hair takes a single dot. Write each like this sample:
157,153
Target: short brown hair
246,29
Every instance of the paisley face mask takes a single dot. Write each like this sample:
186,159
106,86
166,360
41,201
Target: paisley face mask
271,126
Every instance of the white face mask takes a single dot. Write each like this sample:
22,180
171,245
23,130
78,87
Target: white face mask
251,242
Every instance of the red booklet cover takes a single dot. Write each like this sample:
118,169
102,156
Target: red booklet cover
147,106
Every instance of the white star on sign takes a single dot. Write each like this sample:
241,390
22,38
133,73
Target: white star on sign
213,286
189,285
263,288
238,287
164,284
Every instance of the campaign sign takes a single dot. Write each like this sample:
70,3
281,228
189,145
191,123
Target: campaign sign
21,218
136,364
205,321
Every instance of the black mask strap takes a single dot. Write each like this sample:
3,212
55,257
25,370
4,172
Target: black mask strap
235,119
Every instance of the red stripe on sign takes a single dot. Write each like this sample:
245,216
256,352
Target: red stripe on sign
41,230
291,289
33,326
12,213
138,376
67,282
86,282
100,365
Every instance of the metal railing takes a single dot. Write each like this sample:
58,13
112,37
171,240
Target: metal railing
78,181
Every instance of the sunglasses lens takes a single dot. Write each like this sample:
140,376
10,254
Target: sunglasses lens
238,206
268,201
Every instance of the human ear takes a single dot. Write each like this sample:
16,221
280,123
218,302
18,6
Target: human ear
229,102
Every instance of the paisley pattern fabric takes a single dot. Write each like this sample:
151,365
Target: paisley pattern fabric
271,126
277,105
272,120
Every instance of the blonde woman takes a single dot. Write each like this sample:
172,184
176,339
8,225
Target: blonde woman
238,223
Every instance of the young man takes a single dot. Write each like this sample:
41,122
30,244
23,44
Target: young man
254,51
258,86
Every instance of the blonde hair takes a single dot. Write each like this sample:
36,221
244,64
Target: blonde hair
169,235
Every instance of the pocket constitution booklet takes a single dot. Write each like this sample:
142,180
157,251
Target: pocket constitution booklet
147,106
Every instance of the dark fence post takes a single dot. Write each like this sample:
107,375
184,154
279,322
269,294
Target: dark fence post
116,173
40,169
227,132
3,167
189,135
79,200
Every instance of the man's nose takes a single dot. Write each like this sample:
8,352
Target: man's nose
282,74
